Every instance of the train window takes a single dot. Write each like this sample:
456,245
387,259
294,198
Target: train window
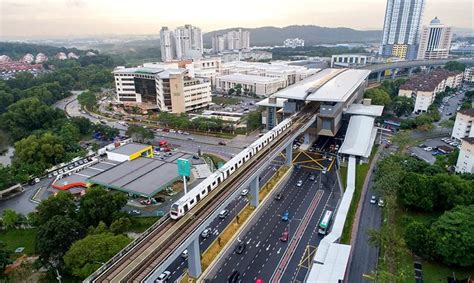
191,202
214,183
208,189
198,198
186,208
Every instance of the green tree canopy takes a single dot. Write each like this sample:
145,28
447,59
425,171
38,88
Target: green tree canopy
415,192
139,133
455,66
120,225
88,254
10,218
61,204
403,105
379,96
4,257
87,100
420,240
99,204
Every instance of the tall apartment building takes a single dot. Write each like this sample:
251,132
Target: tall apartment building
293,42
164,87
402,28
465,163
232,40
463,125
167,44
188,42
435,41
469,75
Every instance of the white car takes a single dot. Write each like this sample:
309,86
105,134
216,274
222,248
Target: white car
373,200
428,148
299,183
381,203
244,192
163,277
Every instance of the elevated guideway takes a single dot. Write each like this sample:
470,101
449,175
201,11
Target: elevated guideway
147,257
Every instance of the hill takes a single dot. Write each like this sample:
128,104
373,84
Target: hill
311,34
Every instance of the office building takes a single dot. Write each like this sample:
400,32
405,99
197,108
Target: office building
469,75
423,88
188,42
167,44
463,125
465,163
251,84
293,42
232,40
435,41
163,87
402,28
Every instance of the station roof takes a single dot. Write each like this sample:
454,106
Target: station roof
334,267
129,148
368,110
141,176
360,136
330,85
266,102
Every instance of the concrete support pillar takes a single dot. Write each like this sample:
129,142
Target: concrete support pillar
379,76
194,259
289,154
254,190
307,139
394,71
410,71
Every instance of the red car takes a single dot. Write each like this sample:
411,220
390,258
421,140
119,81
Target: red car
284,236
259,280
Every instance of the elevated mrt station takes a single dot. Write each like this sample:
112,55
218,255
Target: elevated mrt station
332,93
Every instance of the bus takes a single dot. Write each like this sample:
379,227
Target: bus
325,223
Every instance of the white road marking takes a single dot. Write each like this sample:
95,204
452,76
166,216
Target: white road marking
258,244
268,247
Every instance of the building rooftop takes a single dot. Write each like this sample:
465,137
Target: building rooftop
468,112
360,136
469,140
428,82
368,110
129,148
249,78
266,102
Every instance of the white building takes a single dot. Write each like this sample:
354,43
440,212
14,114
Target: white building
61,56
463,125
402,28
435,41
293,42
28,58
40,58
164,87
205,68
232,40
350,60
465,163
423,88
167,44
188,42
469,75
251,84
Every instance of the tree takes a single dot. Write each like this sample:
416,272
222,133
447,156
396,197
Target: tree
231,91
83,124
415,192
139,133
379,96
100,205
6,177
419,239
455,66
39,152
120,225
4,257
451,190
454,234
402,105
448,124
254,120
238,91
10,218
87,255
56,236
62,204
87,100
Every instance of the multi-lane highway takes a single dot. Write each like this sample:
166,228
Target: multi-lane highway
265,253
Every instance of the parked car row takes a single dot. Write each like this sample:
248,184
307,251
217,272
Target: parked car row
69,167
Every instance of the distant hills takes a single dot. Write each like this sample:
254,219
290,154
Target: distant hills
311,34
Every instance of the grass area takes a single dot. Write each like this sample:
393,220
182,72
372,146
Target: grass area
343,173
434,272
215,159
225,100
361,172
20,238
140,224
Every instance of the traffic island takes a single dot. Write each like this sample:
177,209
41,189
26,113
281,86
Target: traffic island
222,243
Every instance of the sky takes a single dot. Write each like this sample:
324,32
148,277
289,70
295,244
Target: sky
74,18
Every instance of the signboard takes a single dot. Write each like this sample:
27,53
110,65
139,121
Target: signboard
184,167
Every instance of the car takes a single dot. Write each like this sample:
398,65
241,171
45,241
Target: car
299,183
373,200
172,131
159,130
223,214
221,143
206,233
285,216
284,236
55,173
234,277
422,145
258,280
134,212
163,277
50,175
184,254
244,192
428,148
279,196
190,138
195,157
160,199
240,248
381,203
312,177
180,132
449,114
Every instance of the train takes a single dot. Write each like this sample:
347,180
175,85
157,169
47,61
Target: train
197,194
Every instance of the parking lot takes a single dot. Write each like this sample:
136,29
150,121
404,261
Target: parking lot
429,149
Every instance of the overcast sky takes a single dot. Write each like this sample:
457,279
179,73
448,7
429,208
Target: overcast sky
48,18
